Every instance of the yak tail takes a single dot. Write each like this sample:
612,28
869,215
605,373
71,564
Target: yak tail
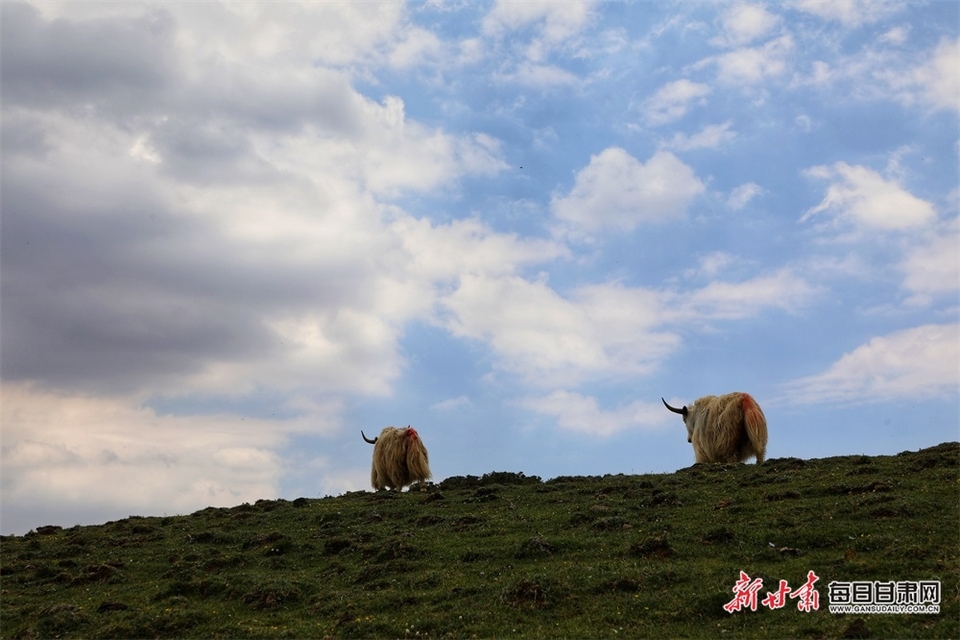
418,460
756,425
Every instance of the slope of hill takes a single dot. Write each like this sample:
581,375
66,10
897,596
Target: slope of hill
509,555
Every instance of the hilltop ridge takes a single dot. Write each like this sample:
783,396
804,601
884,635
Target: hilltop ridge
506,554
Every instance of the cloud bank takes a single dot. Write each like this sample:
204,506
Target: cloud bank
235,234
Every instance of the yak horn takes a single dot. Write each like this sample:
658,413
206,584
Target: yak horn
682,412
366,439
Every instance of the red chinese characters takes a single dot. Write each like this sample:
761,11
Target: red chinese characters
745,594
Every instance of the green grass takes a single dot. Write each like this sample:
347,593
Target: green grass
508,555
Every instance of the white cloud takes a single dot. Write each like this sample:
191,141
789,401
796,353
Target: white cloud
350,343
826,266
535,332
896,36
863,197
558,21
720,300
631,324
348,349
804,123
575,412
752,65
850,13
117,458
443,252
743,194
743,23
328,276
392,154
933,267
672,101
939,77
451,403
712,264
881,72
908,365
417,45
616,192
471,50
539,75
554,26
331,34
603,330
710,137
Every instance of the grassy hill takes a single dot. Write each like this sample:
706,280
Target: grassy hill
508,555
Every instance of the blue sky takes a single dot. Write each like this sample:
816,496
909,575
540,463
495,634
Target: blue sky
236,234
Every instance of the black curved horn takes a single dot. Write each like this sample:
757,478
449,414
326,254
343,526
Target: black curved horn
682,412
366,439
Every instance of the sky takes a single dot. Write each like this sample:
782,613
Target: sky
234,235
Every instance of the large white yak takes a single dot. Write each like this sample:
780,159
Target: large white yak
728,428
399,459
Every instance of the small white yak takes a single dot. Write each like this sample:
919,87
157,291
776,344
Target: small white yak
399,459
728,428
